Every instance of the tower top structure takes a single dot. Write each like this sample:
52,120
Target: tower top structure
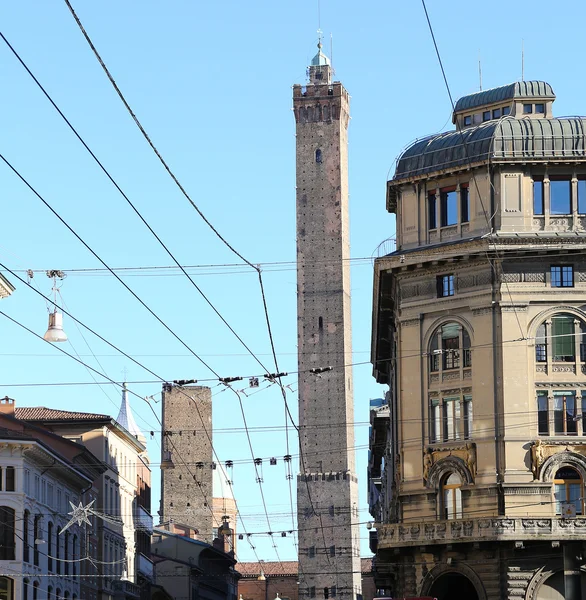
126,418
320,69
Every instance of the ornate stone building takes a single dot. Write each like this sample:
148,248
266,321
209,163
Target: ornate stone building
479,324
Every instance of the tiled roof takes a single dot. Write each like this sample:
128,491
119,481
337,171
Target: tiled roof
284,568
40,413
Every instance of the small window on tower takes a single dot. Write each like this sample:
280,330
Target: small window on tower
318,156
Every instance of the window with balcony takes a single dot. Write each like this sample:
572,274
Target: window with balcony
562,276
568,489
450,418
563,339
451,497
449,348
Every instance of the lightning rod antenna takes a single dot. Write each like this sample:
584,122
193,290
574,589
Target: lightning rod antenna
522,60
479,71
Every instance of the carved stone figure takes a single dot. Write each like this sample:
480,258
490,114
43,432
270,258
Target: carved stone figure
427,463
471,459
536,458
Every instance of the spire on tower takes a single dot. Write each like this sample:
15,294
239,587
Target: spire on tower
320,69
126,418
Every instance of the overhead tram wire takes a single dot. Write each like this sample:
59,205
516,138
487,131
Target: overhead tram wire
467,155
176,453
193,204
65,311
151,230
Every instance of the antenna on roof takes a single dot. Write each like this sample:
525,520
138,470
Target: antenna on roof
479,72
522,60
332,52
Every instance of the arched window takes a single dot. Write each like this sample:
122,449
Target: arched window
451,496
318,157
25,587
36,590
7,533
58,552
36,536
568,491
50,593
561,339
74,556
26,536
58,594
66,553
449,348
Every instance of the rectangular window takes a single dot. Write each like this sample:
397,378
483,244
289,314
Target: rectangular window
582,196
562,339
560,197
468,120
542,414
435,421
464,204
10,479
562,276
496,113
311,552
449,206
540,109
451,352
564,413
583,405
506,110
486,115
527,109
538,207
467,417
445,286
37,487
451,419
432,211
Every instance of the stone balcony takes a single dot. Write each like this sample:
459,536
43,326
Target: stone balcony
429,533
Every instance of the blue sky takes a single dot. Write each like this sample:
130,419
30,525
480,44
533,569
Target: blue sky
211,82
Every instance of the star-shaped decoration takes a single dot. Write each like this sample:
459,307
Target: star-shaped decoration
79,514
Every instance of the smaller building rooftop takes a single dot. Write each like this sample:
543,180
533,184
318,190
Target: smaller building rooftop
40,413
511,91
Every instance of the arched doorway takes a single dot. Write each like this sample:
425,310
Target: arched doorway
453,586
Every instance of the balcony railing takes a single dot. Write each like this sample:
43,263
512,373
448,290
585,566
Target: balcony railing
426,533
125,589
142,520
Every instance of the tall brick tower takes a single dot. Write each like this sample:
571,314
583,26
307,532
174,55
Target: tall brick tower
327,487
186,473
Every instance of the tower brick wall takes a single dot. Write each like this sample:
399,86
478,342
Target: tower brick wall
186,487
327,489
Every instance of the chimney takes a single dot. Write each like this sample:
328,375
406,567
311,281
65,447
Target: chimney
7,406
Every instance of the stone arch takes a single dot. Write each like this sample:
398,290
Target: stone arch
540,577
549,312
442,321
450,464
563,459
461,569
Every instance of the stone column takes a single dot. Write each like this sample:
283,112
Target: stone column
572,574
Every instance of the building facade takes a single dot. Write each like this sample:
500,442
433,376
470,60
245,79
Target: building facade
478,470
327,487
125,567
40,474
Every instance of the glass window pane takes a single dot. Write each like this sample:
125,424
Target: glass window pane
464,204
538,197
559,494
527,109
562,333
582,196
449,208
540,108
506,110
486,115
431,205
559,193
468,120
496,113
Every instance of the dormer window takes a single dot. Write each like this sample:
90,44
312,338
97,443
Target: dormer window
496,113
506,111
540,109
468,120
527,109
486,115
449,207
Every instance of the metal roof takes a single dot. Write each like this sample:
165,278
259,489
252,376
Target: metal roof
505,139
519,89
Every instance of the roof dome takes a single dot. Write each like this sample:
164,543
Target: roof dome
320,59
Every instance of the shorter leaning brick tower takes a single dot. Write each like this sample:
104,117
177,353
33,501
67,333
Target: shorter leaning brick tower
186,462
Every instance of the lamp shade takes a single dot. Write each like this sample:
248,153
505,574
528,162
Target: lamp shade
55,331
